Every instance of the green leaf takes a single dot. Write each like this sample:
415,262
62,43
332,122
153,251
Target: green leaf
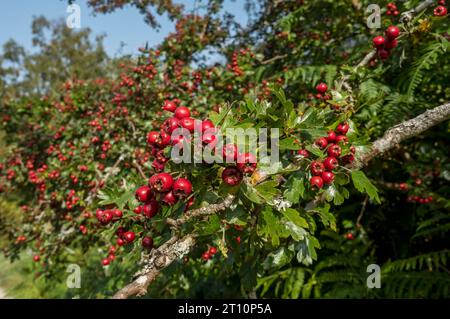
295,189
289,144
294,216
278,258
210,227
363,184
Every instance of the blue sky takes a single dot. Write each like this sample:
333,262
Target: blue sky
125,25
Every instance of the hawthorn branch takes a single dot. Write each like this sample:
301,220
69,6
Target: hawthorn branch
170,251
405,130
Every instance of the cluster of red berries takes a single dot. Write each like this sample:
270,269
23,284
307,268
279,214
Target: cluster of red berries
163,138
323,171
162,188
207,255
321,89
108,215
245,164
111,256
440,10
414,198
420,200
385,44
72,200
392,9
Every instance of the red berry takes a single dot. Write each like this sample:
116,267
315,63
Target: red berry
169,106
182,112
207,125
106,261
144,194
188,123
182,187
321,87
170,125
303,153
232,175
147,242
383,54
342,128
206,256
440,11
120,242
330,163
106,217
349,236
150,209
212,250
247,163
391,44
342,138
321,142
334,150
392,32
129,236
169,198
159,139
331,136
36,258
403,186
161,182
378,42
317,168
230,152
328,177
316,182
117,214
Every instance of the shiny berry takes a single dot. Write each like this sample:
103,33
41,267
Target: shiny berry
147,242
230,152
169,198
440,11
316,182
247,163
330,163
150,209
342,128
328,177
207,125
169,106
378,41
161,182
129,237
392,32
182,187
182,112
106,261
317,168
232,175
321,142
303,153
331,136
212,250
170,125
334,150
144,194
321,87
188,123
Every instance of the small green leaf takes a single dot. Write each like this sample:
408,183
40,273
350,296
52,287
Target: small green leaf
363,184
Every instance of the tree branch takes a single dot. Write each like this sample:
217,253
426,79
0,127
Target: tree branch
405,130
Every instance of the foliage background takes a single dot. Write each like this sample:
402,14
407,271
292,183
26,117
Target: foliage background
287,48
